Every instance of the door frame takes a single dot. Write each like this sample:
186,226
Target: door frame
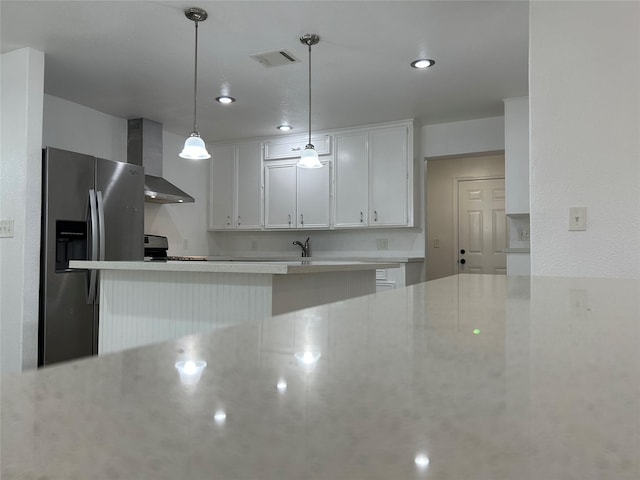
456,210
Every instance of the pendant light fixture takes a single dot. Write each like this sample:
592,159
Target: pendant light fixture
194,147
309,157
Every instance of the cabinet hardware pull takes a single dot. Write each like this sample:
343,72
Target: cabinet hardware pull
295,149
361,217
289,219
301,219
228,220
375,215
238,219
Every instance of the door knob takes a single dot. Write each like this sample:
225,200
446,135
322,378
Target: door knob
462,251
462,261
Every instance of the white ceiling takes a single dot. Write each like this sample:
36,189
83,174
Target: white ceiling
135,59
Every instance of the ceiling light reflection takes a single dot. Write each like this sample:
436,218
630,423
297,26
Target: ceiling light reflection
220,417
308,357
281,386
190,371
422,461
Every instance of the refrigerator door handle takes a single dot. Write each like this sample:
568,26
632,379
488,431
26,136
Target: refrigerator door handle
93,220
101,224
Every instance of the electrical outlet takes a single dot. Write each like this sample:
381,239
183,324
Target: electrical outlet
577,219
523,234
185,244
6,229
254,244
436,243
383,243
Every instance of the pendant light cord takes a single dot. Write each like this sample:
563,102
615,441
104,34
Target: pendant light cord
195,83
309,93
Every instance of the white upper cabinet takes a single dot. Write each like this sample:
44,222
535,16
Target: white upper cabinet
280,195
389,165
516,154
249,185
292,146
366,181
222,191
314,197
236,186
297,197
374,177
352,179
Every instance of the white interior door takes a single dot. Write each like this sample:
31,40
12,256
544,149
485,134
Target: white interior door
482,227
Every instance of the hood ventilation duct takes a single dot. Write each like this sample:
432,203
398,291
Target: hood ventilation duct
144,147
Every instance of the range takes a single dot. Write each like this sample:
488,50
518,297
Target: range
155,249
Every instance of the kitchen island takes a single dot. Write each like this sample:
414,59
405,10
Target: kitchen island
467,377
147,302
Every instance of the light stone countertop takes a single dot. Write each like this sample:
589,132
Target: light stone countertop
320,257
487,377
267,267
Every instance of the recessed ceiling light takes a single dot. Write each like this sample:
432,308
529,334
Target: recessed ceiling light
225,99
284,128
422,63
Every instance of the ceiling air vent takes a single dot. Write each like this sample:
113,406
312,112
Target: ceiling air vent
275,58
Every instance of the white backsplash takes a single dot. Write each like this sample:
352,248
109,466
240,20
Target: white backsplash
399,242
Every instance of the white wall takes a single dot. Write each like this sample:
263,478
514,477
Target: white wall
585,137
461,138
77,128
22,87
184,224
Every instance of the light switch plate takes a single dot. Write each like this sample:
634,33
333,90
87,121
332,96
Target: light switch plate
6,228
383,243
577,219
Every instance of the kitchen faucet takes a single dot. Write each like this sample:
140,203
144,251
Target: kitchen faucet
306,247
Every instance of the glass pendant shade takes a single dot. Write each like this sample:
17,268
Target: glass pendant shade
194,148
309,158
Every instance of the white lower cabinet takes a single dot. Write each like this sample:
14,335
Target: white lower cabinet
374,177
408,273
297,197
235,200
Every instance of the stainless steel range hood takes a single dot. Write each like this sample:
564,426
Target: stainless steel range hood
144,147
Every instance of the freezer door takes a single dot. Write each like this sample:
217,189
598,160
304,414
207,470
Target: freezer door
122,190
67,322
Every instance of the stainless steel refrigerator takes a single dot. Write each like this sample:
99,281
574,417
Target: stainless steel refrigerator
92,209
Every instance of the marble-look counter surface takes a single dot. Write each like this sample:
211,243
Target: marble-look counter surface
466,377
321,257
256,266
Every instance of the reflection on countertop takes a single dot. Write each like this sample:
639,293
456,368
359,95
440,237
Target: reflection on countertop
465,377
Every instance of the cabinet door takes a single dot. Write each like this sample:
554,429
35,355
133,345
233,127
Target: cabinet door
280,196
222,185
313,194
249,186
388,177
352,180
292,146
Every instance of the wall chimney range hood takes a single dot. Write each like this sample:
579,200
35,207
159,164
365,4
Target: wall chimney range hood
144,147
